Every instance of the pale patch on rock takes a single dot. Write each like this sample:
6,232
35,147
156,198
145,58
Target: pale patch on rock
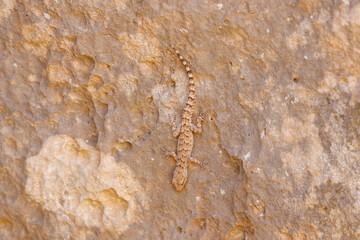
246,157
120,5
184,30
83,186
47,16
6,8
299,37
139,47
295,40
328,82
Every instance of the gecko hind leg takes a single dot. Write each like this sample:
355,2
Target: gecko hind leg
198,127
196,161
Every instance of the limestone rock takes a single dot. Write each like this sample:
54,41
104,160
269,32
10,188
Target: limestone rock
87,88
83,186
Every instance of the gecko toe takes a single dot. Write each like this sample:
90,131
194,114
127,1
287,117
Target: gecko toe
203,164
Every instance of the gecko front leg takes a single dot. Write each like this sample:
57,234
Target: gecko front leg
169,153
175,128
198,127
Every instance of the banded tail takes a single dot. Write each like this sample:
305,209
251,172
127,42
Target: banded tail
190,103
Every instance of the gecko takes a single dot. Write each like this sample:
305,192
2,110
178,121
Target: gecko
184,132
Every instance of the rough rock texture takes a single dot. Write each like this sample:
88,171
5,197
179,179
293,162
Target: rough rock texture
87,87
71,178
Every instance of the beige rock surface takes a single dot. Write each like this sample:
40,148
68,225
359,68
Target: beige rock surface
87,87
74,180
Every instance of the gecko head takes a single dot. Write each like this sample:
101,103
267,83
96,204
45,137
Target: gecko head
179,177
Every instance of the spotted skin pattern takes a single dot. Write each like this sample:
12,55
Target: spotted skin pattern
184,132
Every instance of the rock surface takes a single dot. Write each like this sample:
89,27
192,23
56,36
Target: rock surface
87,87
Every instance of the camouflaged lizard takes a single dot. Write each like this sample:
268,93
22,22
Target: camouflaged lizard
184,132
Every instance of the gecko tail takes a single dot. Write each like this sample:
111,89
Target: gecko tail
192,88
184,62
